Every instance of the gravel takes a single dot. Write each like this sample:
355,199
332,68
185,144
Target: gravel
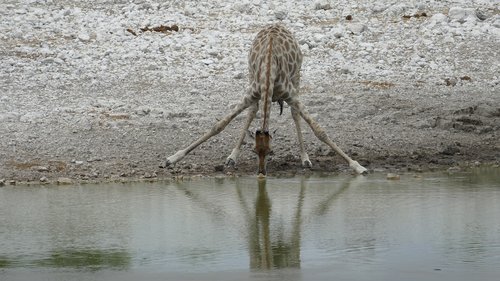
107,89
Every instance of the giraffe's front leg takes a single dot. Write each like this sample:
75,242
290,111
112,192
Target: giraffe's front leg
217,128
304,158
231,159
322,136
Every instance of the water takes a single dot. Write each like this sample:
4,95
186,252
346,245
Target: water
432,227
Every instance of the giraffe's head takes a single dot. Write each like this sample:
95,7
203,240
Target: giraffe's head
262,148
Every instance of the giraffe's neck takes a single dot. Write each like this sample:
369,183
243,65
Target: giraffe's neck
269,85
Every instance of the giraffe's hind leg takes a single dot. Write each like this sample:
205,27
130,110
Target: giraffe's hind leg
321,134
217,128
304,158
231,159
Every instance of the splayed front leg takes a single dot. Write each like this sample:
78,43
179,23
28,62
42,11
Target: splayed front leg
231,159
304,158
217,128
322,136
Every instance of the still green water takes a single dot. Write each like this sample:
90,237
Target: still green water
431,227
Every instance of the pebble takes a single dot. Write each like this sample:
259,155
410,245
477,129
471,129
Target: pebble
64,181
84,37
322,5
207,61
392,176
41,168
462,15
280,15
2,182
337,32
356,28
44,179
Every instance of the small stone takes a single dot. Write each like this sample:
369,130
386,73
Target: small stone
345,70
462,15
84,37
450,150
12,182
2,182
219,168
322,6
481,15
118,116
239,75
280,15
44,179
63,180
47,60
337,32
207,61
392,176
356,28
41,168
450,81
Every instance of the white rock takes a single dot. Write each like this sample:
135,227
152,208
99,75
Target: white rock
299,25
378,8
9,117
496,22
207,61
318,37
392,176
462,14
84,37
356,28
337,32
63,181
47,61
280,15
439,18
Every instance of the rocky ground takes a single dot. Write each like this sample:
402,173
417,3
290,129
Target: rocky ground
107,89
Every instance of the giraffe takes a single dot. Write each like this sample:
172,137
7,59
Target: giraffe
274,63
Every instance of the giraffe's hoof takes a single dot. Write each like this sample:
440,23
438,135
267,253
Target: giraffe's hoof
169,162
230,162
307,164
358,168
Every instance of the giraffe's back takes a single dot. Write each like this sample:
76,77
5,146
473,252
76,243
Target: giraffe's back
286,60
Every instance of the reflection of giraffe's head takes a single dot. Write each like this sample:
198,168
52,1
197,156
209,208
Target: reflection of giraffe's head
262,148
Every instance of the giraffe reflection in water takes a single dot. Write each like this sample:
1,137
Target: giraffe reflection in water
272,242
280,253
